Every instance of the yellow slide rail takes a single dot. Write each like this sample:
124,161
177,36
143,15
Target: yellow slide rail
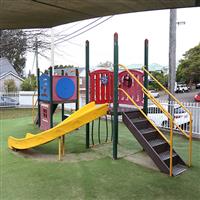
184,108
159,105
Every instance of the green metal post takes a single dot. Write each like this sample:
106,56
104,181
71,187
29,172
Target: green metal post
51,96
63,104
115,100
87,91
38,84
78,88
146,81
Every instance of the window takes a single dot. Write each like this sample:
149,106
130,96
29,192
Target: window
45,113
178,110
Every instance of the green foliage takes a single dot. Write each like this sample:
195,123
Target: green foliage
63,66
13,47
10,86
29,83
107,64
189,68
161,78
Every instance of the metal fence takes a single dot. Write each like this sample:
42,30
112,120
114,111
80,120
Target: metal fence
9,99
180,116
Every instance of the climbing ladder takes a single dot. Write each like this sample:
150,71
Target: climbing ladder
154,142
155,146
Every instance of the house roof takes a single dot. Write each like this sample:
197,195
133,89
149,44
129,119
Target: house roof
49,13
6,67
70,71
11,73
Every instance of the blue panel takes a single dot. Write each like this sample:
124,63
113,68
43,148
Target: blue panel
44,87
65,88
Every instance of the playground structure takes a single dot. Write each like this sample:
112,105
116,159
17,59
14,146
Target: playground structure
54,90
104,87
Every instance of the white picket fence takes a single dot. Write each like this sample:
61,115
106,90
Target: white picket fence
180,116
24,99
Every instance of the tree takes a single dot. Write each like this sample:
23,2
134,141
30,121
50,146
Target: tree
29,83
10,86
13,45
163,79
63,66
107,64
189,68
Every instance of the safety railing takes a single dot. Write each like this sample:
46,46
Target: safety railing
184,108
34,103
157,103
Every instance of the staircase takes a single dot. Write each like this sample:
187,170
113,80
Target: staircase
153,143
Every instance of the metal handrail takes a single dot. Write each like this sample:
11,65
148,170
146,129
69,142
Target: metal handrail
169,116
138,107
182,106
33,106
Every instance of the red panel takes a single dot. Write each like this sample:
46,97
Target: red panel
55,80
92,87
101,86
44,116
127,83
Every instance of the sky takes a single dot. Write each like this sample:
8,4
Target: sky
133,29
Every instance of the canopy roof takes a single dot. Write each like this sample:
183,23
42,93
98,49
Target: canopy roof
16,14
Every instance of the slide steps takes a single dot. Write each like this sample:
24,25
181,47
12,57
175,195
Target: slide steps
153,143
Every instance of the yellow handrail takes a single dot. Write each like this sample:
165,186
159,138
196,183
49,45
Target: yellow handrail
182,106
169,116
138,107
33,106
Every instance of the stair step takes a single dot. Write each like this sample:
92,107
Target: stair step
147,130
166,155
156,142
138,120
178,169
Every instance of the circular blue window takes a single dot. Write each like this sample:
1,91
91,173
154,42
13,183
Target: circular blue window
65,88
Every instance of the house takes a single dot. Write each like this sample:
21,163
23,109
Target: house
7,72
70,72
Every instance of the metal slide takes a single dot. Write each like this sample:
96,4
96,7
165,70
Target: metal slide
81,117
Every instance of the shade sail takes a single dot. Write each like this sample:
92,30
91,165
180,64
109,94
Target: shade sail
48,13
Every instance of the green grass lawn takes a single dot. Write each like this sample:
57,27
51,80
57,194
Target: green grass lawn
101,178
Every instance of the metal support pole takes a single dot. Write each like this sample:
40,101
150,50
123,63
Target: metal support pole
38,83
78,89
52,50
63,104
146,81
51,97
60,148
115,100
87,91
36,54
63,116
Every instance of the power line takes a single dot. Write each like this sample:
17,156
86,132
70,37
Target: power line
66,29
79,29
84,31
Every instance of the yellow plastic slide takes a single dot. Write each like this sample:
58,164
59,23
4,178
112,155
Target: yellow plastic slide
79,118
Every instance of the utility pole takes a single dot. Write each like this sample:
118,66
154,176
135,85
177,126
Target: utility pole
36,54
52,50
172,52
